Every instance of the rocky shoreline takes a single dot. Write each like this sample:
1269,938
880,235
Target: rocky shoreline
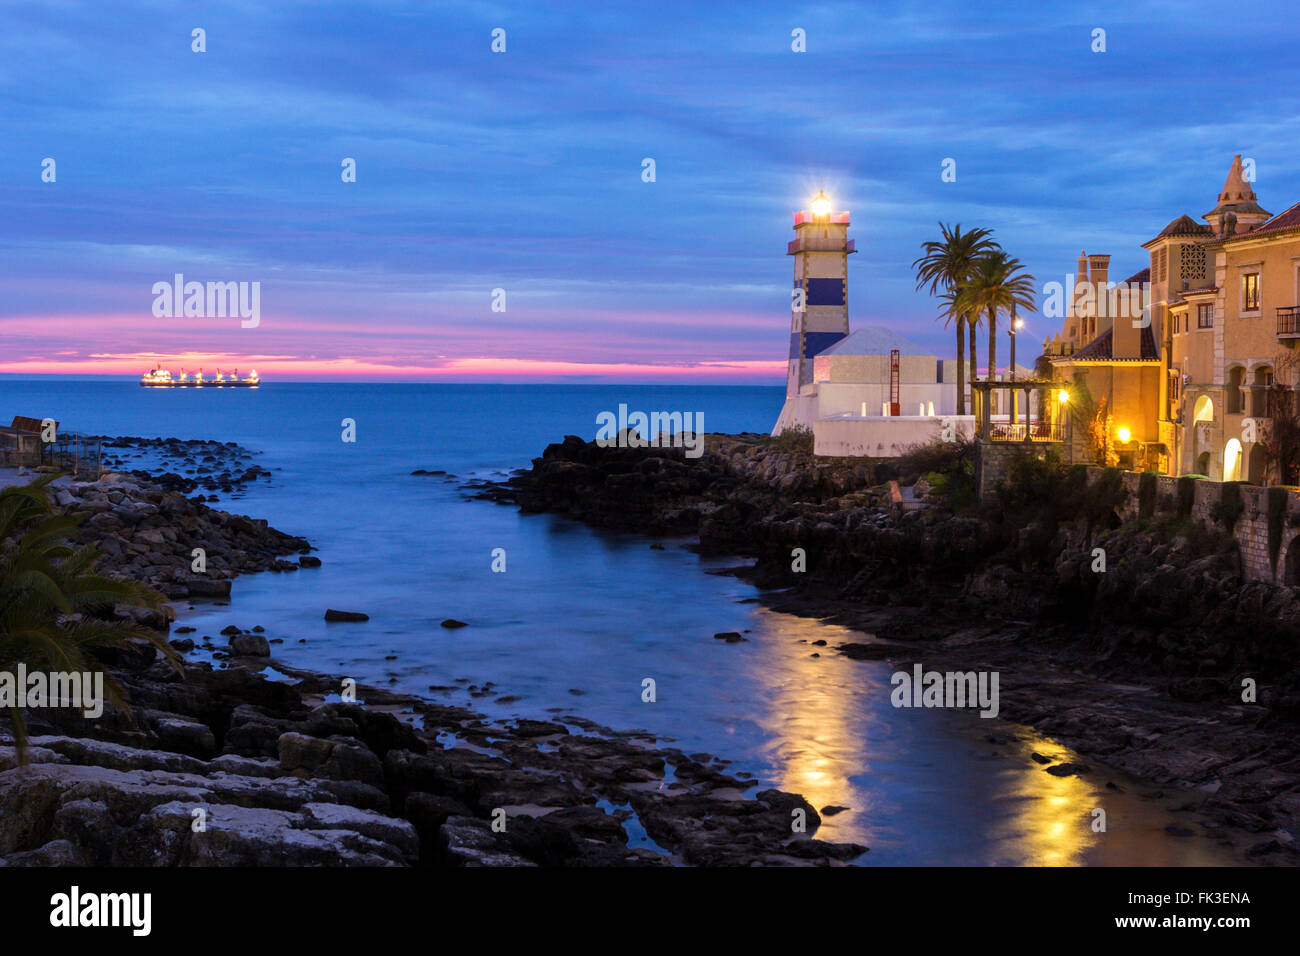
253,763
1140,667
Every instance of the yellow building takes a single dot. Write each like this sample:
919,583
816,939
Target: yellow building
1188,378
1107,357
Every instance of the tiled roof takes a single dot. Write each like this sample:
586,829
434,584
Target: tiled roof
1185,225
1139,277
1099,349
1282,222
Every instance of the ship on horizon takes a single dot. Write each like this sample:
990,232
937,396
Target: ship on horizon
163,378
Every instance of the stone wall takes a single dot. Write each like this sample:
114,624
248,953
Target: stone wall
1251,529
993,460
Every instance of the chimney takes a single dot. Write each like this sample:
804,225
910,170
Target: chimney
1078,307
1098,270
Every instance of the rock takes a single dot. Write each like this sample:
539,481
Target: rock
470,842
333,615
309,561
451,623
336,758
54,853
731,637
1067,769
249,645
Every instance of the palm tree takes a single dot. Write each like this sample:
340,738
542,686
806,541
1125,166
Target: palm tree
947,264
997,284
50,597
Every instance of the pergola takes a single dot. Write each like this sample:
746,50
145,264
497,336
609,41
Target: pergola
1043,429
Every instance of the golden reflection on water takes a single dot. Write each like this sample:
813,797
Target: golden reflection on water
928,786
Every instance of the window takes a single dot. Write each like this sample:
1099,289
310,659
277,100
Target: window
1205,316
1250,292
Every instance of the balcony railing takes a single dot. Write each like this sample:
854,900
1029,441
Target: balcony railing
1026,431
819,244
1288,321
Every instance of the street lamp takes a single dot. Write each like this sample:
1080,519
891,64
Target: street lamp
1016,326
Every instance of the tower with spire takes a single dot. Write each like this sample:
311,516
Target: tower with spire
1237,211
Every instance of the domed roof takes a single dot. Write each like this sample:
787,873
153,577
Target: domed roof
874,340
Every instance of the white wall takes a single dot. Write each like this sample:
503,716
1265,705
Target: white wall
841,398
882,437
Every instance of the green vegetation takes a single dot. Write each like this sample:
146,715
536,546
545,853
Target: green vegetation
947,265
1228,509
53,606
1147,494
798,439
1186,495
947,466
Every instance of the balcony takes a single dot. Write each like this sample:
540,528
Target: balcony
1288,322
819,244
1025,431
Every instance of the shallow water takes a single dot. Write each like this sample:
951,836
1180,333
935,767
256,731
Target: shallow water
581,618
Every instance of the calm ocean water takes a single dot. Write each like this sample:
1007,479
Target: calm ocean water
581,617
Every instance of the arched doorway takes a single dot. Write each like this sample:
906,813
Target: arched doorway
1233,399
1202,437
1260,384
1204,410
1232,460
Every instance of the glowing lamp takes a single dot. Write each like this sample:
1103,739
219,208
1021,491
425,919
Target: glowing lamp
1062,396
821,206
1123,434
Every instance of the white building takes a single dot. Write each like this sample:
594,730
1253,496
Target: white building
868,393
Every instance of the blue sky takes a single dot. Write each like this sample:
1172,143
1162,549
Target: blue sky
522,170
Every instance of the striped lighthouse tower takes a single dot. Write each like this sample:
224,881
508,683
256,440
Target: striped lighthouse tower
820,300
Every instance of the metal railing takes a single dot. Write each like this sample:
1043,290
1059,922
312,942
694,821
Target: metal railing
1288,320
818,244
1025,431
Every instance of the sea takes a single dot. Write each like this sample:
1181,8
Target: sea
580,618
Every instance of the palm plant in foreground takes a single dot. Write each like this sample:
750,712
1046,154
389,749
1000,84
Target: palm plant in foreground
50,596
947,264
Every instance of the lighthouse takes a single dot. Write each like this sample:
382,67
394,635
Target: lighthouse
819,305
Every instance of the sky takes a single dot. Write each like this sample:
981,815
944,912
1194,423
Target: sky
522,171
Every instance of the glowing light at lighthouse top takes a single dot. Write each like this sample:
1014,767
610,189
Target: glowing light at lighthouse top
820,212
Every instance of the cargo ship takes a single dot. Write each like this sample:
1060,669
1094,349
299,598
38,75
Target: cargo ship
162,378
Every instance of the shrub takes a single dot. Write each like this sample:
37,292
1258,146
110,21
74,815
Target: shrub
797,439
51,598
1229,507
1147,494
1186,495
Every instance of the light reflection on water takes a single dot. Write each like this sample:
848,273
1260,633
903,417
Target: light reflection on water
582,617
928,785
